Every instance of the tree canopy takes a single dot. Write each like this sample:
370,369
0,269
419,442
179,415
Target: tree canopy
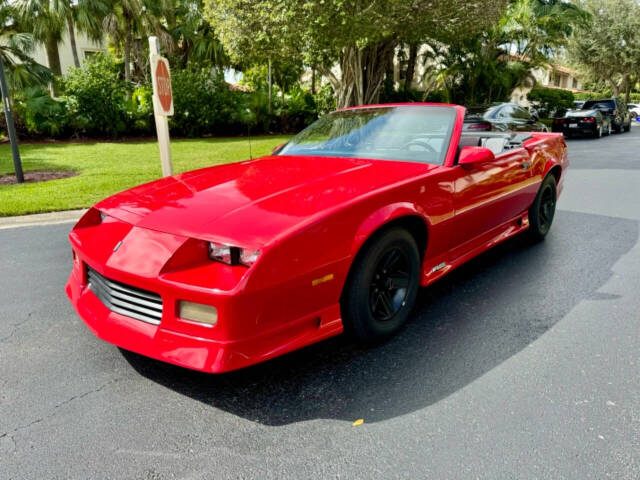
360,36
608,46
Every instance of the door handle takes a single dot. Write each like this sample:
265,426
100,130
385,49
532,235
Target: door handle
525,165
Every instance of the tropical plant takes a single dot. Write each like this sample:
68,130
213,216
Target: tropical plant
40,115
85,16
127,22
194,38
46,21
15,49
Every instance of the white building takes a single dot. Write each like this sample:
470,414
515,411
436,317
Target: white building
554,76
85,48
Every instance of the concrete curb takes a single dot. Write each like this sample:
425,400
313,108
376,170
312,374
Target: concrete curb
41,219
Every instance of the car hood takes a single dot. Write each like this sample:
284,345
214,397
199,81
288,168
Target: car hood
251,203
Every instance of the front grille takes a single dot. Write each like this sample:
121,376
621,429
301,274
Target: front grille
126,300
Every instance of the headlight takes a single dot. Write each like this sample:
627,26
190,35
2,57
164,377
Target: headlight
232,255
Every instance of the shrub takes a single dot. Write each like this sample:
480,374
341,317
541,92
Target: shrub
139,110
97,97
550,101
37,114
299,111
203,103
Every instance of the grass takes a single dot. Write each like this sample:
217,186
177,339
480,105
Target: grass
109,167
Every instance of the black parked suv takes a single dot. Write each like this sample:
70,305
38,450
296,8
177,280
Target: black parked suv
615,109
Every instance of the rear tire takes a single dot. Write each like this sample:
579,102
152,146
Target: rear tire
382,286
543,210
598,132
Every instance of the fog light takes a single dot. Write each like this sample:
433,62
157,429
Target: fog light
197,312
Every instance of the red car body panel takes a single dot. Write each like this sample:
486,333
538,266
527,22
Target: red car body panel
309,217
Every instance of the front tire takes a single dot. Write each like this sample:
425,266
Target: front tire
543,209
382,287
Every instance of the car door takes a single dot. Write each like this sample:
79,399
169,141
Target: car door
487,196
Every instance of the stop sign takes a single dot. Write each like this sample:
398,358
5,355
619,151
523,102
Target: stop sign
162,85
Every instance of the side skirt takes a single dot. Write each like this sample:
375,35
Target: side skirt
435,269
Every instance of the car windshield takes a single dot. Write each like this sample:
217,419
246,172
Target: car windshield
599,105
406,133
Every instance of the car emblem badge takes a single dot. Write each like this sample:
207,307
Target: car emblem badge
117,246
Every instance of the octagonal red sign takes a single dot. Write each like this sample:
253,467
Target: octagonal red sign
163,86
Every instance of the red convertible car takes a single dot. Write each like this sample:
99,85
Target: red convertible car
220,268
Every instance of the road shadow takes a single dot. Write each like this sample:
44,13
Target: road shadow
463,327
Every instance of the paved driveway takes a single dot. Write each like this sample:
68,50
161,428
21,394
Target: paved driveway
523,364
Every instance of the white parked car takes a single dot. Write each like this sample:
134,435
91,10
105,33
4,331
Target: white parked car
634,110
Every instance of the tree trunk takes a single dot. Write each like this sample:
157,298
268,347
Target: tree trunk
363,71
626,85
128,42
72,41
411,65
53,59
270,81
313,81
615,90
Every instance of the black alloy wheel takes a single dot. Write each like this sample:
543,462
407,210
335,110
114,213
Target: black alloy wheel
389,285
543,209
382,286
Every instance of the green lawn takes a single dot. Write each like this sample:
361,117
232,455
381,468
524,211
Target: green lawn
107,168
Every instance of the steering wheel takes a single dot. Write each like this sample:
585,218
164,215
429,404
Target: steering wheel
419,145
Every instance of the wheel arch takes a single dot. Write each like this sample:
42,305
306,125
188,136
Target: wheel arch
556,171
406,216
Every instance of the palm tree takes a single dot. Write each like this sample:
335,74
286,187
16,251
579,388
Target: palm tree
193,36
86,16
15,47
127,20
46,21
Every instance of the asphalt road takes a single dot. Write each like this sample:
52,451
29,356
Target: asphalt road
523,364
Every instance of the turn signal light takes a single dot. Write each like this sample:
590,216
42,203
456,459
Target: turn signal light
198,312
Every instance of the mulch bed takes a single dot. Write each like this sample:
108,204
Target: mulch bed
37,176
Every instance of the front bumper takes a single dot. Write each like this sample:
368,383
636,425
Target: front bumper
254,323
197,352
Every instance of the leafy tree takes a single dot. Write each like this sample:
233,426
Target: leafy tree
360,36
608,46
487,66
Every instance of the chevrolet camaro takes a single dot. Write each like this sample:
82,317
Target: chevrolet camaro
220,268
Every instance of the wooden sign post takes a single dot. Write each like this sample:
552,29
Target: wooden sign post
162,102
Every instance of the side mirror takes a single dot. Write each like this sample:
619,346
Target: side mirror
472,155
277,149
